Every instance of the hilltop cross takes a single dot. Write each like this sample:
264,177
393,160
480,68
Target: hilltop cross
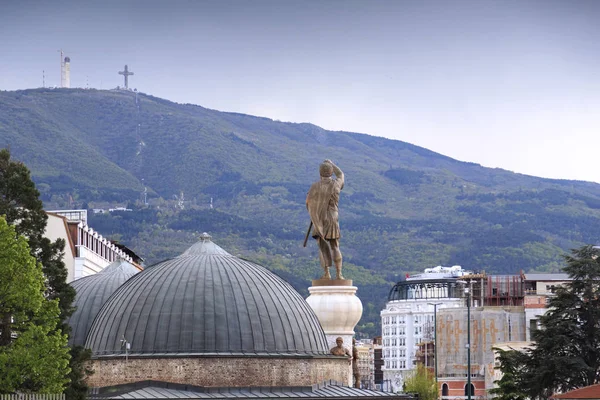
126,74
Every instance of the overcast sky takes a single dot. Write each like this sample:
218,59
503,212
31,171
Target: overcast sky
509,84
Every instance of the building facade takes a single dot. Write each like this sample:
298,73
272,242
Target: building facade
408,318
86,251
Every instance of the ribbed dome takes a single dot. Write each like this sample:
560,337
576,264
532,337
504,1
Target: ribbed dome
207,301
92,293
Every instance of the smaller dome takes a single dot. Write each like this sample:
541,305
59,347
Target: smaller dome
92,293
67,59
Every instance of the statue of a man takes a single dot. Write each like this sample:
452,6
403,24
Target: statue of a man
322,204
339,349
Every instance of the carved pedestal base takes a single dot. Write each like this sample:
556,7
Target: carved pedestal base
338,310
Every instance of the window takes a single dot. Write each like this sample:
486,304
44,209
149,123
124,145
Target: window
402,364
445,389
393,320
472,390
401,341
394,330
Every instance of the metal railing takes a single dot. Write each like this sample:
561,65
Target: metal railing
32,396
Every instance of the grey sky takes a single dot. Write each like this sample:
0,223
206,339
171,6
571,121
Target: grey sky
509,84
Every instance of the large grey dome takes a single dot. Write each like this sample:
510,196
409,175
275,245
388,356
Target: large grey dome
92,292
206,301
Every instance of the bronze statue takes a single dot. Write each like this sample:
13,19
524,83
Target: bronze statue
355,370
339,349
322,204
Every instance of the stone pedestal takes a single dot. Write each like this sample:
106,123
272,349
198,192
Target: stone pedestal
338,309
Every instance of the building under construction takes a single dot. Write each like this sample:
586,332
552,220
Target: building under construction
501,312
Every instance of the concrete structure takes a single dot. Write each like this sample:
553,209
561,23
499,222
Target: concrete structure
86,251
490,326
407,319
67,72
504,311
335,304
126,73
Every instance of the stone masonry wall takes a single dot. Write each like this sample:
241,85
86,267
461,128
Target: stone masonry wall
220,372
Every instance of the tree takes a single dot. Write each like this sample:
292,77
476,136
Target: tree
422,382
510,386
566,350
34,356
22,208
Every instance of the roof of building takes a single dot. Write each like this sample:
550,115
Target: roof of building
92,293
588,392
547,277
164,390
206,301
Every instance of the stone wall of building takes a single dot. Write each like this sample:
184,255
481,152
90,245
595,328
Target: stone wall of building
220,371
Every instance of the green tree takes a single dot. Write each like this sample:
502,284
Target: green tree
511,385
34,356
22,208
422,381
567,347
566,350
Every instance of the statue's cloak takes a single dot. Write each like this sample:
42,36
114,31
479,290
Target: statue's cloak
322,203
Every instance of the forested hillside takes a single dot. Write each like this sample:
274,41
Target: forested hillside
404,208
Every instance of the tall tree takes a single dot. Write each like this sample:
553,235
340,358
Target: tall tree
34,356
565,354
22,208
567,350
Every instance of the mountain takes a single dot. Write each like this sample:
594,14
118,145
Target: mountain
404,208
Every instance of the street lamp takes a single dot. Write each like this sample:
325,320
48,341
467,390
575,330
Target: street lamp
435,358
468,293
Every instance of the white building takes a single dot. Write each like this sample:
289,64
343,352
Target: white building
86,251
408,318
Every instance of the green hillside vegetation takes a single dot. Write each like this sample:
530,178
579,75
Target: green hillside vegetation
404,208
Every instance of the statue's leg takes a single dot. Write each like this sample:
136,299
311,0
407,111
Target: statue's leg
325,257
337,257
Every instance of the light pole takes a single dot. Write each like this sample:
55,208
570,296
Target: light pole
435,359
468,293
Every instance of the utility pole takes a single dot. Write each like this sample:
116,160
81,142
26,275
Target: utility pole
468,293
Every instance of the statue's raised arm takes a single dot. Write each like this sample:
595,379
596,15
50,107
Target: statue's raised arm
322,204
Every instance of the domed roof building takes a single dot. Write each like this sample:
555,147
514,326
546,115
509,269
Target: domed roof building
210,319
92,293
